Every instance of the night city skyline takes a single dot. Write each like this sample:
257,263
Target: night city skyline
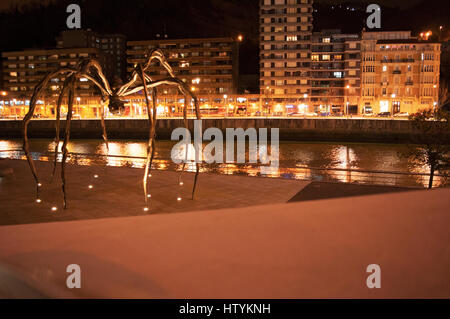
225,158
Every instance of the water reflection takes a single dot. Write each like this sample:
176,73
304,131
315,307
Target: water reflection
351,163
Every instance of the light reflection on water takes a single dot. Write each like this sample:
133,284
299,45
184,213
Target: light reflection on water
349,163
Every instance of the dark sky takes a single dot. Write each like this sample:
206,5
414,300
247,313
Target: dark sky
143,19
390,3
4,4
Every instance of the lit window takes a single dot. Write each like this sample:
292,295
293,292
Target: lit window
315,57
338,74
326,57
326,40
384,68
291,38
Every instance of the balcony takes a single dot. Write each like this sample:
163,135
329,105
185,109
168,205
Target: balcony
397,61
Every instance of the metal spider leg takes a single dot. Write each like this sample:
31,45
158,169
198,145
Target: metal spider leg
157,54
67,137
153,121
102,120
197,156
150,141
58,125
26,121
184,90
86,66
186,124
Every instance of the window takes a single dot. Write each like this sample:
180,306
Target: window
326,57
326,40
338,74
384,106
315,57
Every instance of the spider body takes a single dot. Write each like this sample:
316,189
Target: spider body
91,70
116,106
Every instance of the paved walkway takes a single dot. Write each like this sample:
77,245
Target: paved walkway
321,190
117,192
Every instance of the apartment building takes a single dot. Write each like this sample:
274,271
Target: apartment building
335,72
110,44
23,70
400,74
445,61
210,66
285,44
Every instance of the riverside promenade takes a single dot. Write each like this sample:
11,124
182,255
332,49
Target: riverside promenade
117,192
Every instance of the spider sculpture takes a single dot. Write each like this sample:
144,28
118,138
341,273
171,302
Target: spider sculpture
91,70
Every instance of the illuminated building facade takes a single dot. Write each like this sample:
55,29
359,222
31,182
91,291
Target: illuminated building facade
23,70
285,43
335,72
400,74
114,45
210,66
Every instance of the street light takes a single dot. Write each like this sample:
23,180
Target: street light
78,105
346,97
4,93
240,37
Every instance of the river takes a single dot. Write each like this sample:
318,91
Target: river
365,163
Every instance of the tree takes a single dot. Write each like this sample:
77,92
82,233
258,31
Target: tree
432,141
444,95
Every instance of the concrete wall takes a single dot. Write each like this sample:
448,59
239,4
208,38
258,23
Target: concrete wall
357,130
